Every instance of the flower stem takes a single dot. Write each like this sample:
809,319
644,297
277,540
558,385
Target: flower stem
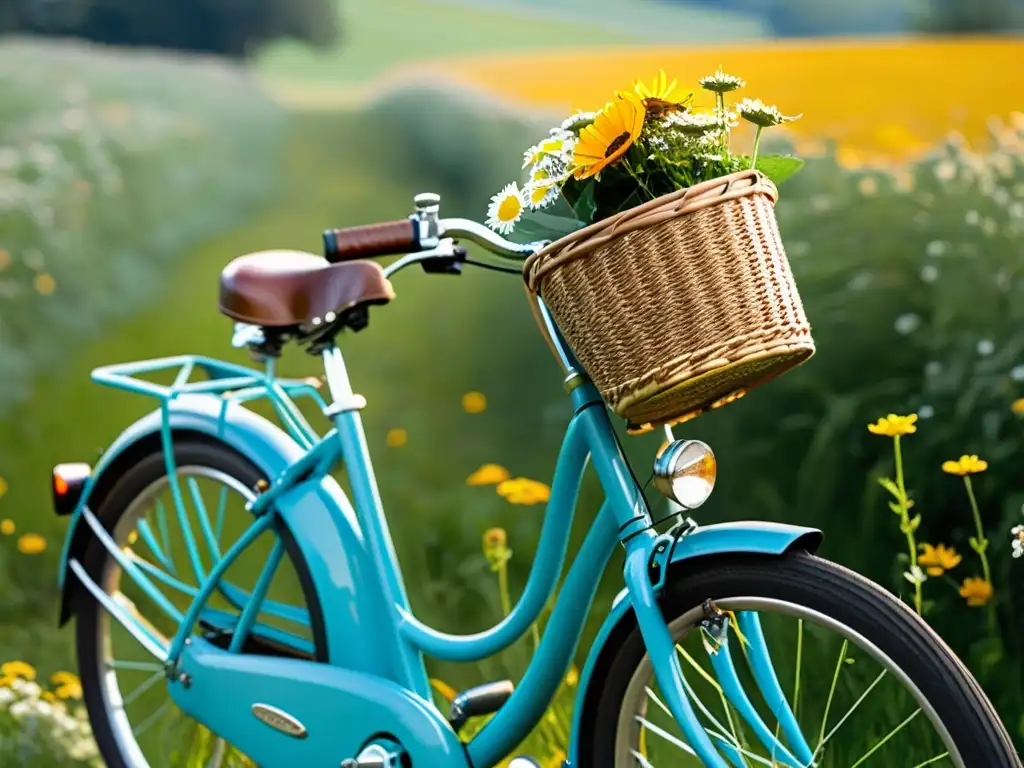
904,511
753,164
981,550
506,604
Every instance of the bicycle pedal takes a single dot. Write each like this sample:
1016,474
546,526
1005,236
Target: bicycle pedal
481,700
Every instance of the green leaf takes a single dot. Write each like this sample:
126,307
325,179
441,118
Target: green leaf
586,206
978,546
890,486
778,168
896,508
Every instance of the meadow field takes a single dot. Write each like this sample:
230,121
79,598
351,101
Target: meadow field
906,247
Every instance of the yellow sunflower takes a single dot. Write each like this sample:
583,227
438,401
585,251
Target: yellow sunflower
659,89
613,131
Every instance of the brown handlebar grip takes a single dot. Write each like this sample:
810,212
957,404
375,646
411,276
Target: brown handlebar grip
371,240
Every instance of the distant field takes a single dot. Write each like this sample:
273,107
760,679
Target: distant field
879,99
383,34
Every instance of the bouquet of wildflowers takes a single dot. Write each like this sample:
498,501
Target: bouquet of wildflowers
643,144
43,728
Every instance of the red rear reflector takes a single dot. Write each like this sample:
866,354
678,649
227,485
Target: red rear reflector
68,483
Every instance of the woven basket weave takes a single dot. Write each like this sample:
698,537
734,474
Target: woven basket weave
680,304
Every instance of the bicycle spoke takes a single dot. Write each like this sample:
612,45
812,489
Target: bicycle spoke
135,666
892,733
847,715
666,735
204,520
222,504
165,536
161,575
220,749
644,763
832,692
153,718
141,688
149,538
714,683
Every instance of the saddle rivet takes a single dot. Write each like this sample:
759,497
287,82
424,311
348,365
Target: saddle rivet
317,321
185,680
330,317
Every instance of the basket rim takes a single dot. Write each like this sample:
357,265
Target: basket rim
665,208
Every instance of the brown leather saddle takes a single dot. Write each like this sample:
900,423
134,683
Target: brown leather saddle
285,289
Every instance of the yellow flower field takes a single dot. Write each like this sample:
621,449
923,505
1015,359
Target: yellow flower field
879,99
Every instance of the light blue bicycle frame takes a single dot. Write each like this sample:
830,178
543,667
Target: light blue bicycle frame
370,681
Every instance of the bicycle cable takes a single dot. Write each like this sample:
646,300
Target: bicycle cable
494,267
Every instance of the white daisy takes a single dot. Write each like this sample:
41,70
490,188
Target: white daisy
560,145
506,209
541,195
573,122
694,123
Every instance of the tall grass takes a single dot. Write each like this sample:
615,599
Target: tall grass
110,164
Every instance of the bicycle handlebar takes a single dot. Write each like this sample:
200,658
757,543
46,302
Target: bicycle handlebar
371,240
406,236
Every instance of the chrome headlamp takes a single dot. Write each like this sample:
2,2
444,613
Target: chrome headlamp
685,472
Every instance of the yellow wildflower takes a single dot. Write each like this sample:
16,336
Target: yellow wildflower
894,426
48,697
443,688
16,669
572,677
977,592
1017,406
522,490
474,402
44,284
397,437
938,559
965,465
6,527
495,544
31,544
68,686
133,537
488,474
3,487
5,259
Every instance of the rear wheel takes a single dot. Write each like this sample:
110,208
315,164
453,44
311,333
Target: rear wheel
134,720
867,681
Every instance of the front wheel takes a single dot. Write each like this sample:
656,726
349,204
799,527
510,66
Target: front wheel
865,680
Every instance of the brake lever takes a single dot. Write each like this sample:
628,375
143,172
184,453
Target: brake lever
446,265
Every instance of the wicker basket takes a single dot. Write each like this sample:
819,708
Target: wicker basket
681,304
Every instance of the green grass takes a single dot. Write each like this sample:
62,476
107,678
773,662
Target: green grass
383,34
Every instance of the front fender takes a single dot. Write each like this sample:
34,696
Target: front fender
723,538
316,514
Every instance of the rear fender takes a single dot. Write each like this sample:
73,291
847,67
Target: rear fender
723,538
319,524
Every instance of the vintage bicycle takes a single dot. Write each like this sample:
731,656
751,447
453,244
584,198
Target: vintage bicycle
730,645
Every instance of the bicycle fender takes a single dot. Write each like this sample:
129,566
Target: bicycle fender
720,539
317,515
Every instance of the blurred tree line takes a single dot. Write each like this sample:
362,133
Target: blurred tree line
805,18
235,28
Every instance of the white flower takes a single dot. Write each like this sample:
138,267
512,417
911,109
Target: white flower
762,115
693,123
972,217
6,696
935,248
915,575
907,323
721,82
541,194
929,273
559,145
926,411
986,347
573,121
506,209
